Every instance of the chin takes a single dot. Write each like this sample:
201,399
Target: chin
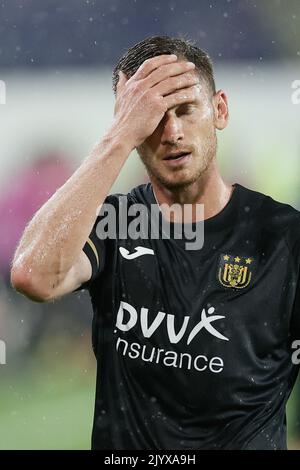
177,182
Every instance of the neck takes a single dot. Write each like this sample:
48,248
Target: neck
210,190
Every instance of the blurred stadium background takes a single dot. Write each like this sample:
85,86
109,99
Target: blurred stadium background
56,60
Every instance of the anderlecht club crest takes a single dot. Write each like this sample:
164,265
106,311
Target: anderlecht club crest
235,271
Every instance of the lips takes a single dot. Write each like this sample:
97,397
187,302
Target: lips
176,156
177,160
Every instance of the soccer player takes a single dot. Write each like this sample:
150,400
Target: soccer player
194,347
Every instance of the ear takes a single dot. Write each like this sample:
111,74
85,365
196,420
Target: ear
221,114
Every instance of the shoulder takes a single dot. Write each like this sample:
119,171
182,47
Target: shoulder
117,208
141,194
274,216
269,209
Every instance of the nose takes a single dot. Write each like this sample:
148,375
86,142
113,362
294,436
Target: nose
172,131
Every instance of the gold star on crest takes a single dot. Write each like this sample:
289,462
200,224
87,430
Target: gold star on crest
237,259
249,261
226,258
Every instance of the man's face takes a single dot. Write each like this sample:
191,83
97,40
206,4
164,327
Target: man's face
187,128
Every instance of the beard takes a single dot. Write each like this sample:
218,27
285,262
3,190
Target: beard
202,154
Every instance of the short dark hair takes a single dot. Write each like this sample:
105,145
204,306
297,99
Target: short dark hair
158,45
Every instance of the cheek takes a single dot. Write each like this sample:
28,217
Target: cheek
144,149
149,145
207,111
145,153
199,124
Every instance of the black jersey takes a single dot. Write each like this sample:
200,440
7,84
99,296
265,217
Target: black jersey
194,348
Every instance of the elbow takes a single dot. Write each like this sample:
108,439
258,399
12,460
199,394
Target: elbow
24,283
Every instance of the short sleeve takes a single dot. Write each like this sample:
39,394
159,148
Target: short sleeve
94,249
96,245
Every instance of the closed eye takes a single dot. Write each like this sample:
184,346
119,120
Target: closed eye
185,109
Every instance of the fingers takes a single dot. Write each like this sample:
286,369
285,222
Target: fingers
152,64
168,70
163,73
172,84
186,95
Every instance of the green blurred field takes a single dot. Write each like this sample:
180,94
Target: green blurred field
53,409
48,404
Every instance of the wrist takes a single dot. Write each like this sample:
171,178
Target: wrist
113,143
119,138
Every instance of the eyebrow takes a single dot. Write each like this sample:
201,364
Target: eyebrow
178,106
186,105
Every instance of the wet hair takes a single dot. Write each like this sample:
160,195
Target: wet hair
158,45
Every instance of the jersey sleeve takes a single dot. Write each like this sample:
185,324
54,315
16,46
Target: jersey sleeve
96,245
94,248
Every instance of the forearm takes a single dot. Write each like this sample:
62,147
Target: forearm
55,236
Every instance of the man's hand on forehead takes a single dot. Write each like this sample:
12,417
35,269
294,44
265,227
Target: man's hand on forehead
155,71
159,84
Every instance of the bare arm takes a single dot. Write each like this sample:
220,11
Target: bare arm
49,261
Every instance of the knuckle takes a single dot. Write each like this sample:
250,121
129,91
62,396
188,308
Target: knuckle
149,95
159,103
148,61
145,65
160,72
136,87
163,106
142,70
